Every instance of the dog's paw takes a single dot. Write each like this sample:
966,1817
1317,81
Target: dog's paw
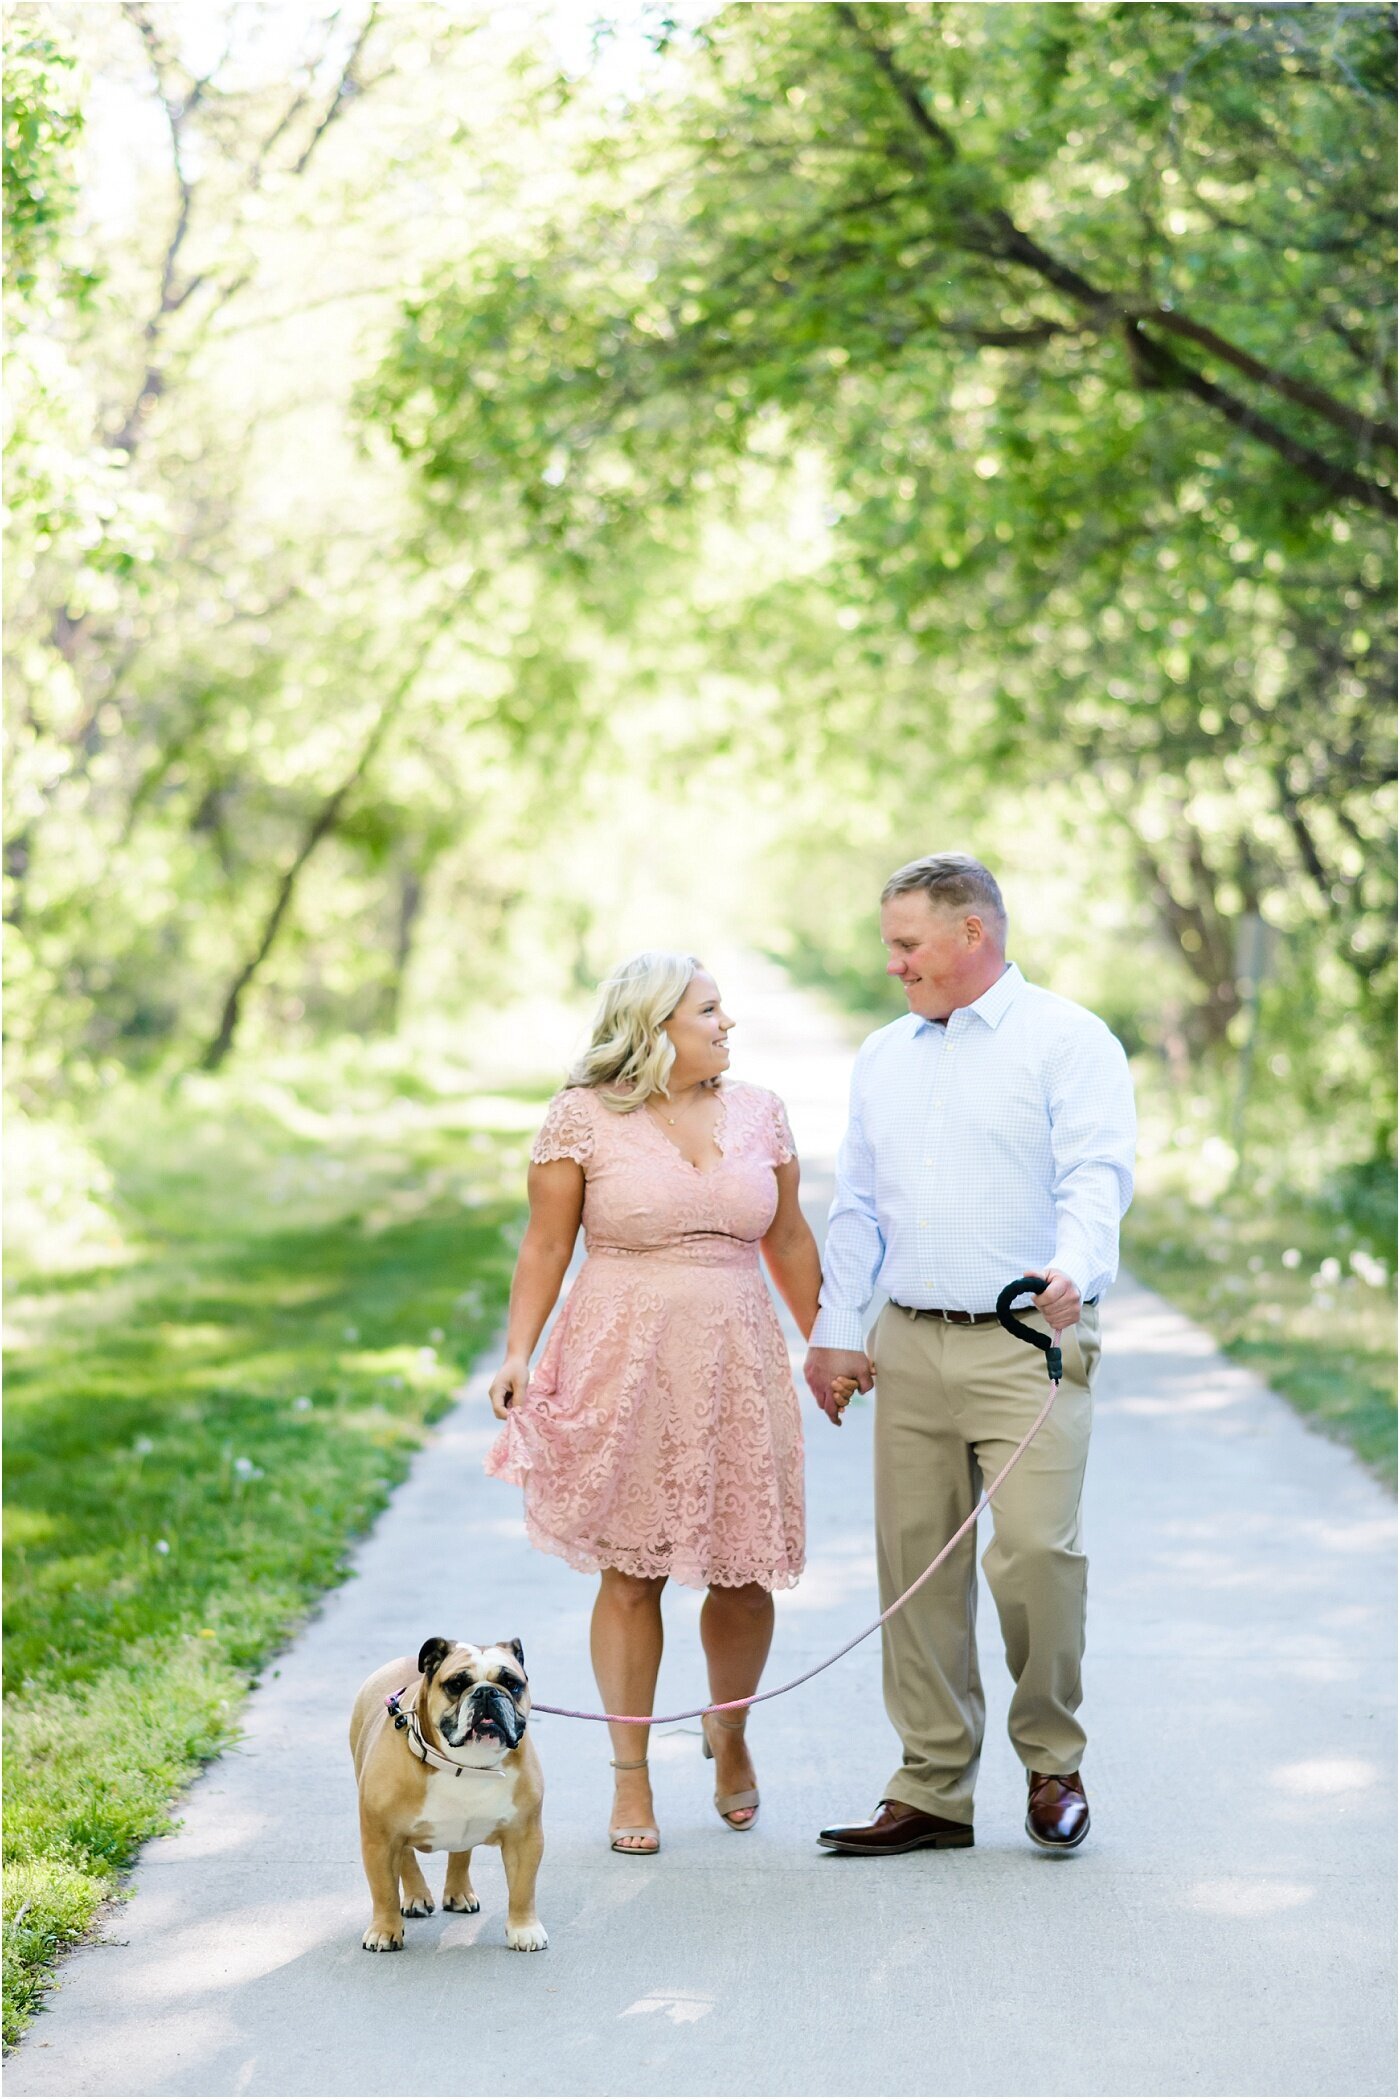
527,1938
420,1906
383,1940
467,1905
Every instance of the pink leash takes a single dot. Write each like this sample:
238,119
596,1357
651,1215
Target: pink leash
735,1705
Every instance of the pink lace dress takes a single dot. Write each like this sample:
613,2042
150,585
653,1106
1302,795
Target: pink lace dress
661,1433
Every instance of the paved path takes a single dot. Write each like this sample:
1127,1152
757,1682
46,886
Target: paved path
1227,1929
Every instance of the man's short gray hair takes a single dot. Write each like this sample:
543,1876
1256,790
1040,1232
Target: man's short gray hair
951,882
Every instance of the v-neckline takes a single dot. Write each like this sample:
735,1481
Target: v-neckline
702,1172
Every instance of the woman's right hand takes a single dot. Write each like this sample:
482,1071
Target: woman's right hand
509,1384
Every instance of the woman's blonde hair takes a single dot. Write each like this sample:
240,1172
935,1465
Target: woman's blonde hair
629,1055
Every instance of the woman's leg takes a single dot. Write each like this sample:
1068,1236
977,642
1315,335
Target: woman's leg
736,1630
625,1641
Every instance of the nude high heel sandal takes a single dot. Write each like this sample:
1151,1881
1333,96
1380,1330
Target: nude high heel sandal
644,1829
727,1805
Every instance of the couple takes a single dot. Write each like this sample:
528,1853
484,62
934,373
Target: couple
991,1135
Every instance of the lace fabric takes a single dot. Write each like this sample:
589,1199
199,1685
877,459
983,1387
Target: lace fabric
661,1433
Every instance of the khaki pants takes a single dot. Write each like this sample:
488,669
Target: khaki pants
951,1405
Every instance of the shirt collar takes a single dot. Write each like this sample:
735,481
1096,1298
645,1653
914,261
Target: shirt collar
994,1003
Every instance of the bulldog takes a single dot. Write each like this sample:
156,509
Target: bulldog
444,1763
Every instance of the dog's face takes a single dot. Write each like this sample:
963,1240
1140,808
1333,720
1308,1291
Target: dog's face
477,1697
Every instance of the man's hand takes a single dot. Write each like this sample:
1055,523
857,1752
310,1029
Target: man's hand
1059,1303
825,1365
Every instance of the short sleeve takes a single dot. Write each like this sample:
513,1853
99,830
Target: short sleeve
782,1131
567,1130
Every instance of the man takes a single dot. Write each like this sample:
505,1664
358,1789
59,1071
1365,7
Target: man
991,1135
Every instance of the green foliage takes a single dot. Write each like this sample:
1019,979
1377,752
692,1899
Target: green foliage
43,125
202,1412
261,755
1084,313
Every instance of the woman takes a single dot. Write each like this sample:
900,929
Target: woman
660,1436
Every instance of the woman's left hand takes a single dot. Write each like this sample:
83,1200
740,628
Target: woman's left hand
843,1390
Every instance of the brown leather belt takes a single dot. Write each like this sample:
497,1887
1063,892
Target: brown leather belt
956,1318
952,1318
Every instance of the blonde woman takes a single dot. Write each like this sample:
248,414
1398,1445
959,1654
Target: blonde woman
660,1437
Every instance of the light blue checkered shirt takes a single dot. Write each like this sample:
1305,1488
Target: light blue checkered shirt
1001,1145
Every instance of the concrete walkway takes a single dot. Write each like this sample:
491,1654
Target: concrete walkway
1227,1929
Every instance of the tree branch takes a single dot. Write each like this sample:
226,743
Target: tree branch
1323,404
1169,370
903,86
346,88
994,233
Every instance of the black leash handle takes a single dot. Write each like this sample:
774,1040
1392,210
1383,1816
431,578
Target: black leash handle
1029,1286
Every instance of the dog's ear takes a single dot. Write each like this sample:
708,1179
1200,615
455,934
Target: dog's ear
432,1654
516,1649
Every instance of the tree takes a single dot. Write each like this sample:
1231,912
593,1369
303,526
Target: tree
227,801
1086,311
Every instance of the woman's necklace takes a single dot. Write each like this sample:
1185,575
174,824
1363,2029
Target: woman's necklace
704,1088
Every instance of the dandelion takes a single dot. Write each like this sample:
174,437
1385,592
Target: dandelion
1329,1272
301,1404
1292,1258
246,1469
162,1545
143,1446
427,1355
207,1632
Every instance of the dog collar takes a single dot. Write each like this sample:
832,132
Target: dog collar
424,1750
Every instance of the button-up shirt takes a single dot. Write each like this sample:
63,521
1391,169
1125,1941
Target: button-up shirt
996,1146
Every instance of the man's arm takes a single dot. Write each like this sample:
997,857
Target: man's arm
1093,1139
850,1263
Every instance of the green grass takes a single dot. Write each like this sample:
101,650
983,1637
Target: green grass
1322,1335
201,1415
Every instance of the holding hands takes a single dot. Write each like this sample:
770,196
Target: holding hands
834,1375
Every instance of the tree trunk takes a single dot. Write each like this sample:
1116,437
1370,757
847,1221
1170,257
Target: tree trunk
323,822
1205,938
410,903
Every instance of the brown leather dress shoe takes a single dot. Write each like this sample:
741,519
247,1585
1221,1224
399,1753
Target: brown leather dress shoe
1057,1814
895,1827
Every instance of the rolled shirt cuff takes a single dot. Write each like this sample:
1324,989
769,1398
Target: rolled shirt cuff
1077,1271
839,1329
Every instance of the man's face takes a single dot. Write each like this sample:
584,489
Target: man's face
939,955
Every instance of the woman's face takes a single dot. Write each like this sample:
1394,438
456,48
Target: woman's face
699,1029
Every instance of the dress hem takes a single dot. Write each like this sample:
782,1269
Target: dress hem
586,1560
